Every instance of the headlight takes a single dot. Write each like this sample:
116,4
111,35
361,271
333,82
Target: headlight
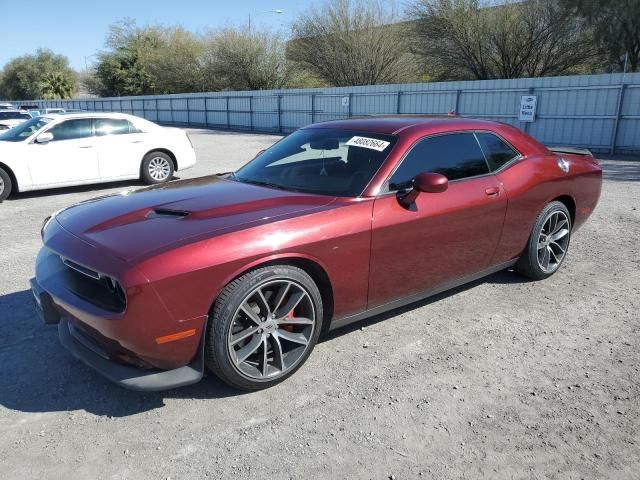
45,224
115,288
47,221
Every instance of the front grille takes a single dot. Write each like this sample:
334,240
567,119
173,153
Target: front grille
92,286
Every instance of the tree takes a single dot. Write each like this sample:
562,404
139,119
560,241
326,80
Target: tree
617,29
236,59
120,69
175,62
34,76
460,39
351,42
55,85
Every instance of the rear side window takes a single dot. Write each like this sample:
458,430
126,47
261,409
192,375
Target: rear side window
455,156
496,151
113,126
72,129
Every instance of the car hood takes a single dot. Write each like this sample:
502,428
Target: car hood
136,224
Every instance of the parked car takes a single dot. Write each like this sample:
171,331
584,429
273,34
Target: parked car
7,106
29,106
76,149
241,272
49,111
12,118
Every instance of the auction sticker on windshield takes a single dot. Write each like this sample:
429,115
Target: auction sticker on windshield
366,142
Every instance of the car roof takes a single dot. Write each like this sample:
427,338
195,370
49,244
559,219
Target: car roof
394,124
90,115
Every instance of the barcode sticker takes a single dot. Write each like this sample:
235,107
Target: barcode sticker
366,142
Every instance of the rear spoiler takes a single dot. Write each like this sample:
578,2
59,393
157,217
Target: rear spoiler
571,150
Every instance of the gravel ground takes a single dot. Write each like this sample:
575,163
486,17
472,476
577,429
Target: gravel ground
503,378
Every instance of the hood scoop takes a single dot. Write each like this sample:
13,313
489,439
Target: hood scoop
167,213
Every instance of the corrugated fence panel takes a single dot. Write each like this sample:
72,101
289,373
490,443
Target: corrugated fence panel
601,112
432,103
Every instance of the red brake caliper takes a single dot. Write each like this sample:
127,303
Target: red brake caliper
289,328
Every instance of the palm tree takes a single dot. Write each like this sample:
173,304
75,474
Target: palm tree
56,85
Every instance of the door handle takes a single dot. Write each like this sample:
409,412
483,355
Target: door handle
492,191
86,146
136,141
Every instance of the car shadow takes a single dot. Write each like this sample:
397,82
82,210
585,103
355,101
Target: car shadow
96,187
38,375
621,170
503,277
230,132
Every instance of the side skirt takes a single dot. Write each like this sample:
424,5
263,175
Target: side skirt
419,296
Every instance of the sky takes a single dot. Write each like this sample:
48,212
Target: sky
77,28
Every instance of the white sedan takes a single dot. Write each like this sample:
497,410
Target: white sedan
77,149
12,118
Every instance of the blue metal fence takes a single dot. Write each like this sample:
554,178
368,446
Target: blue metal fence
601,112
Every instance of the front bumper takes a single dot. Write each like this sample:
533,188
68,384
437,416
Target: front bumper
86,349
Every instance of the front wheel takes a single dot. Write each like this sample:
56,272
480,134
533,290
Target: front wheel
548,243
157,167
5,185
263,327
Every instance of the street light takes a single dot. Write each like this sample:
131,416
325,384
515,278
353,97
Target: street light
86,67
278,11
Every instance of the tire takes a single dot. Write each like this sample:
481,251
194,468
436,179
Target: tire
548,244
5,185
157,167
237,326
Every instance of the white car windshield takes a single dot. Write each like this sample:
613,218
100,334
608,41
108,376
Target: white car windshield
24,130
14,115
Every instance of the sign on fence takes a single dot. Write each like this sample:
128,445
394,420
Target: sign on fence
528,108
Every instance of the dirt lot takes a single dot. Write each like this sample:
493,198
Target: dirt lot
503,378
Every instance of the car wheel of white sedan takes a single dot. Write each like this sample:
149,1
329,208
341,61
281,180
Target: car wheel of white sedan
157,167
5,185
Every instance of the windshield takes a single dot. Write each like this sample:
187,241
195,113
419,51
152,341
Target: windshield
323,161
13,115
24,130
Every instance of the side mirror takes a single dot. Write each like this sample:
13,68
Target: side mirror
429,182
44,137
426,182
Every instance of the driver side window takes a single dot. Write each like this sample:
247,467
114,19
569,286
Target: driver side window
71,129
454,155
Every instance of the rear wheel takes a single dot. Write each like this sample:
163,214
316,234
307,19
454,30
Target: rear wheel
548,243
5,185
157,167
263,327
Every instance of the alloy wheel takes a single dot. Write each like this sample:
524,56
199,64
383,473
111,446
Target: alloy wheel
2,187
159,168
271,330
553,241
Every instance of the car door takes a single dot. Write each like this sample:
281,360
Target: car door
443,236
69,158
121,147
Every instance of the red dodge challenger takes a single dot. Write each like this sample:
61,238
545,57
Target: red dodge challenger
241,272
